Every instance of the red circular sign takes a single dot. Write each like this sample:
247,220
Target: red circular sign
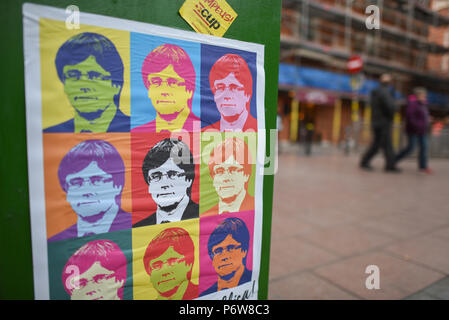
355,64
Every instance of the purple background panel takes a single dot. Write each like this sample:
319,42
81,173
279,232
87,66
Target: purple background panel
209,55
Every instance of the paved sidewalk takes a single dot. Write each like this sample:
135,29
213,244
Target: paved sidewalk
331,220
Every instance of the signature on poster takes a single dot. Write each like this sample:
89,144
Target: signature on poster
246,295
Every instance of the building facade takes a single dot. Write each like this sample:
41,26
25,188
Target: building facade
319,97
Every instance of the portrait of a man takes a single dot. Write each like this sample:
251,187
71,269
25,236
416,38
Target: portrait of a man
228,249
231,83
92,174
169,76
168,260
91,70
169,171
96,271
230,166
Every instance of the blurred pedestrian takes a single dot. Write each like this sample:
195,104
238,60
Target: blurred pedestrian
279,128
383,107
310,128
417,124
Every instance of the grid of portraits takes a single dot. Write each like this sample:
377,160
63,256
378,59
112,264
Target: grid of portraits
149,148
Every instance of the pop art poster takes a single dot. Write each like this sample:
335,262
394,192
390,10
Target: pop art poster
143,149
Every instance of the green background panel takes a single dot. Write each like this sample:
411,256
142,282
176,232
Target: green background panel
258,21
210,140
59,252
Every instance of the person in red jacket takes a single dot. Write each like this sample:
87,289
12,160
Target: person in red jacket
417,125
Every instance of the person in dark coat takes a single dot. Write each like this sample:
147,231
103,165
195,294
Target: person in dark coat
383,108
417,125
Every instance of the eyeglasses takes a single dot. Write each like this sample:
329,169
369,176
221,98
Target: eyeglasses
171,174
230,248
230,170
171,82
97,279
221,87
158,265
75,75
95,181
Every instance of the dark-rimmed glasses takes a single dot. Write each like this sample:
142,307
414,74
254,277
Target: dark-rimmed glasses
158,265
230,248
95,181
75,75
230,170
171,174
170,82
221,87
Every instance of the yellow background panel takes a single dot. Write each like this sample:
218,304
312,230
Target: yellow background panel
141,237
56,107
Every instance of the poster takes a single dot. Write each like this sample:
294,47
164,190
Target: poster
143,155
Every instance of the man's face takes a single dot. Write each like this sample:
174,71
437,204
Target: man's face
228,257
89,87
91,191
167,91
96,283
167,184
229,179
230,96
169,270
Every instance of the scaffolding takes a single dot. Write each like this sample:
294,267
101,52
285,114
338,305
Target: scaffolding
324,34
333,30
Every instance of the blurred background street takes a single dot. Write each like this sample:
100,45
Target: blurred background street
331,220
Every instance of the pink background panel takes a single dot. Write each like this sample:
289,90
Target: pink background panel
208,276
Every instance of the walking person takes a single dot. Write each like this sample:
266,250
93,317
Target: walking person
383,108
417,125
279,128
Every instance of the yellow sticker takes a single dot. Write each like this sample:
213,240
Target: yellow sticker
212,17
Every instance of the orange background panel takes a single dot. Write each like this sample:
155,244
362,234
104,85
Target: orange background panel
59,213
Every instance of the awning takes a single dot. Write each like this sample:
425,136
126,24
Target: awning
304,79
